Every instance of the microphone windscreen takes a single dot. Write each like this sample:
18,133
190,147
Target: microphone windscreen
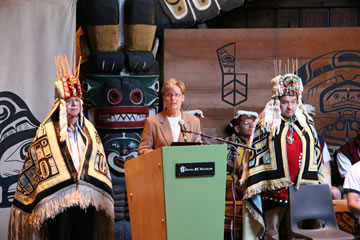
181,122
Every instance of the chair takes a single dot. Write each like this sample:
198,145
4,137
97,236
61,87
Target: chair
313,201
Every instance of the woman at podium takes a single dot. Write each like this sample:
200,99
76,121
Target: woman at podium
172,124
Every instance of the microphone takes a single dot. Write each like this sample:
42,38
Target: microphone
183,129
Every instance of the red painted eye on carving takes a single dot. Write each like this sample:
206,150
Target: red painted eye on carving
114,96
136,96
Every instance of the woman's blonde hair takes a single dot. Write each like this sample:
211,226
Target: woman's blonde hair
171,84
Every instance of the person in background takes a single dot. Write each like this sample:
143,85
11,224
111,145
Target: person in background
64,191
287,152
326,158
347,155
164,128
352,190
241,126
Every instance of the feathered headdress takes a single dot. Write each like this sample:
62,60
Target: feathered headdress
288,84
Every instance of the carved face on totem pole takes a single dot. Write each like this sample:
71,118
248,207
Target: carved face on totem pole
115,102
118,106
120,147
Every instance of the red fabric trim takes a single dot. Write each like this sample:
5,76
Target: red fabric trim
293,153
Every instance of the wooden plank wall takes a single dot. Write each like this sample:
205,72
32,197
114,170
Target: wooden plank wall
327,57
289,14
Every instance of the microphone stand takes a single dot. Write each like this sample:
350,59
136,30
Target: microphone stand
183,131
221,140
233,188
235,146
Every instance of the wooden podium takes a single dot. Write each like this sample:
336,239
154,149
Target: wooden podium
177,193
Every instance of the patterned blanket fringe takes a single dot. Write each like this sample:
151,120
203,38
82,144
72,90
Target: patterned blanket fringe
257,217
25,226
83,196
266,187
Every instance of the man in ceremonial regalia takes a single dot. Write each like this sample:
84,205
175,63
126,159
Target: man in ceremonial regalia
64,190
287,152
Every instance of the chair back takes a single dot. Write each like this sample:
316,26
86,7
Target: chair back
311,201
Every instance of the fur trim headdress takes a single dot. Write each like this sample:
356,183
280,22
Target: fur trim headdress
243,115
67,85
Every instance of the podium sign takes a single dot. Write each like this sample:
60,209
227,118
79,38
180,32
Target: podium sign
164,204
195,169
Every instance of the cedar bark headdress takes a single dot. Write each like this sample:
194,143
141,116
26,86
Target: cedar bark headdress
67,85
